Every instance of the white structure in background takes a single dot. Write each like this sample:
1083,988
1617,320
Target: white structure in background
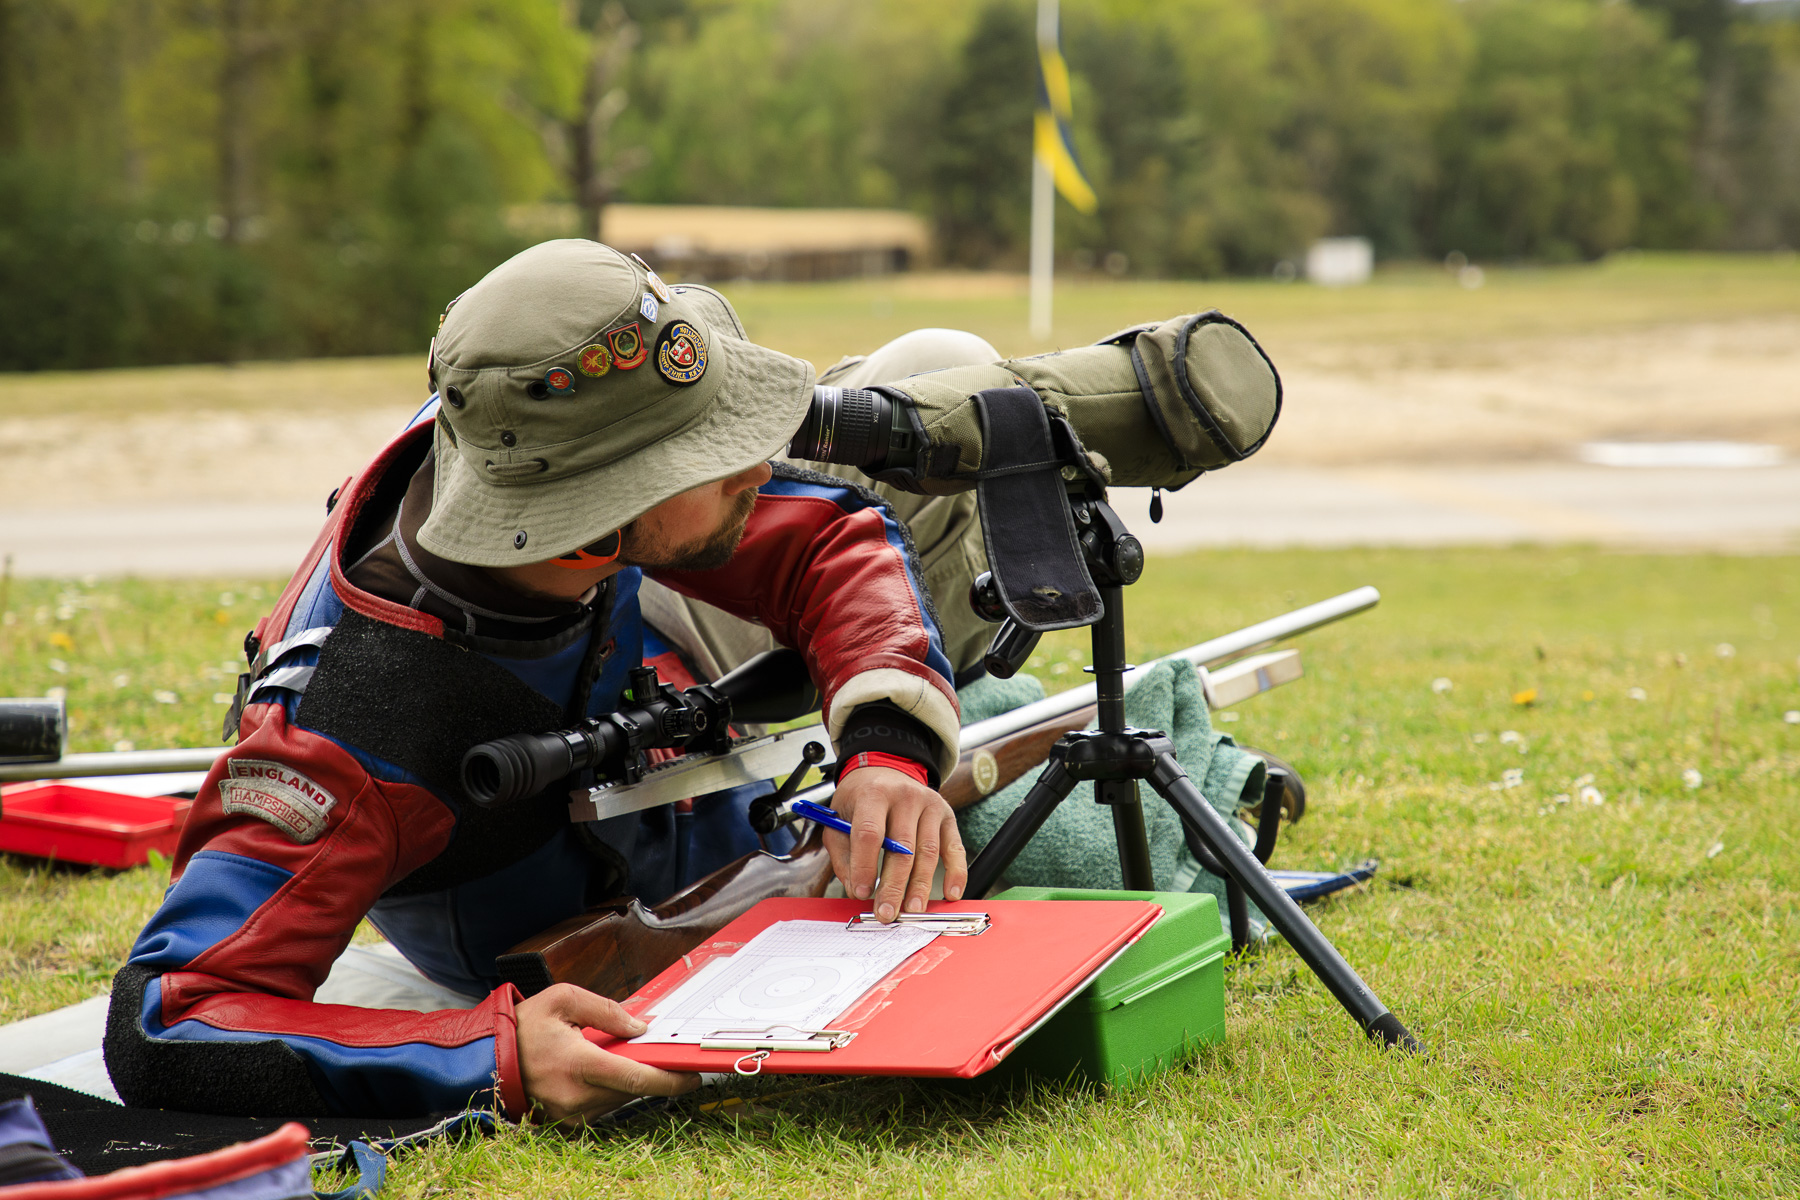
1340,262
1717,455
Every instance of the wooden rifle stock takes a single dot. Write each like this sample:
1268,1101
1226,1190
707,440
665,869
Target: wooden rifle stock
615,948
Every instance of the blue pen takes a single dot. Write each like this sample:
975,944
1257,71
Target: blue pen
824,816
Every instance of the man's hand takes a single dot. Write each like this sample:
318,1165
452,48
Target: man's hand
567,1078
882,802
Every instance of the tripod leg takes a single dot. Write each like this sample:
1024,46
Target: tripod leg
1050,790
1129,832
1236,909
1314,949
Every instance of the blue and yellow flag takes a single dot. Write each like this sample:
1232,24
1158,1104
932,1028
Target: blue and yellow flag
1051,141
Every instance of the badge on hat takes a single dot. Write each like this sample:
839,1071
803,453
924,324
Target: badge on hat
681,354
656,284
627,345
647,306
595,361
560,381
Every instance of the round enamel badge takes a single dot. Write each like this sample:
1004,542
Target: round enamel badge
560,380
680,354
595,360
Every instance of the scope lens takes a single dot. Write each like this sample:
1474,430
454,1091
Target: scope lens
850,426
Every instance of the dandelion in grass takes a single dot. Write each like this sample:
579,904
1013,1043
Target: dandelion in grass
1692,779
62,641
1526,698
1441,685
1636,694
164,696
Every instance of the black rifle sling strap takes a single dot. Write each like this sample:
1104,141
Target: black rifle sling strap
1038,567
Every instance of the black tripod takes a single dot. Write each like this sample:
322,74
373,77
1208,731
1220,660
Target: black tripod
1115,757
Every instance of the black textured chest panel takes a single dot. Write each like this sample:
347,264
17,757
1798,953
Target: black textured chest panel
420,702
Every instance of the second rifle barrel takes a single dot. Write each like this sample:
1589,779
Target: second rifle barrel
1205,654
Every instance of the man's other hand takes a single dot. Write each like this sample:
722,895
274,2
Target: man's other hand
882,802
567,1078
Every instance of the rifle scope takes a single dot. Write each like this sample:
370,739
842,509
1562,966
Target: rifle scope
773,686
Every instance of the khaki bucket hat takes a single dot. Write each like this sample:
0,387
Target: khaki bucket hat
579,391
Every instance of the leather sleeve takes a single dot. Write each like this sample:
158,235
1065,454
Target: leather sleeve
290,841
829,570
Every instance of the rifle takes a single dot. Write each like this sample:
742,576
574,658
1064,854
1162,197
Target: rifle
616,947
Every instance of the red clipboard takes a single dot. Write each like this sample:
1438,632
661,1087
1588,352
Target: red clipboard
956,1008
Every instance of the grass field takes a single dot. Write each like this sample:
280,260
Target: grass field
1601,950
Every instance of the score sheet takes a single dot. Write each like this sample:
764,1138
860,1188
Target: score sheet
795,975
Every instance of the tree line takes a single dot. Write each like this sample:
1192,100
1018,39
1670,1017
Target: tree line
195,180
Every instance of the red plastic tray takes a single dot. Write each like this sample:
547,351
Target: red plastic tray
84,825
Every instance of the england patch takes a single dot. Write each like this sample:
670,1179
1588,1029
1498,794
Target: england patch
278,794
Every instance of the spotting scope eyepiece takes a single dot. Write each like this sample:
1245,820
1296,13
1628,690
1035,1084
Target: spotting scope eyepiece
856,428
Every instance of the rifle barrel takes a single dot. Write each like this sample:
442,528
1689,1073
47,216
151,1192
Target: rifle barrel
119,762
1206,654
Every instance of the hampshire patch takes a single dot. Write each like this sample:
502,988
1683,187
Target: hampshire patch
680,354
276,793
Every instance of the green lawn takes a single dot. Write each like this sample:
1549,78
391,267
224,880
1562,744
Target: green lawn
1602,956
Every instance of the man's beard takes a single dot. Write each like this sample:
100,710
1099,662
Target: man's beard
705,553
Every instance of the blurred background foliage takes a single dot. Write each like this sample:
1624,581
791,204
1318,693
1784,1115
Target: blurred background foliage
194,180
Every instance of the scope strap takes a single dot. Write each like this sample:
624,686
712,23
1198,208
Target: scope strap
1039,569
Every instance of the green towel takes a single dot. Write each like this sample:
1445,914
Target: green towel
1075,847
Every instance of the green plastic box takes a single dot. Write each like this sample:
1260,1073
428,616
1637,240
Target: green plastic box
1164,996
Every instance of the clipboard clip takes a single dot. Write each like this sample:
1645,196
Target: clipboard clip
946,924
767,1040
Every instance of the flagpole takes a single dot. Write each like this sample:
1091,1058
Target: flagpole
1043,205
